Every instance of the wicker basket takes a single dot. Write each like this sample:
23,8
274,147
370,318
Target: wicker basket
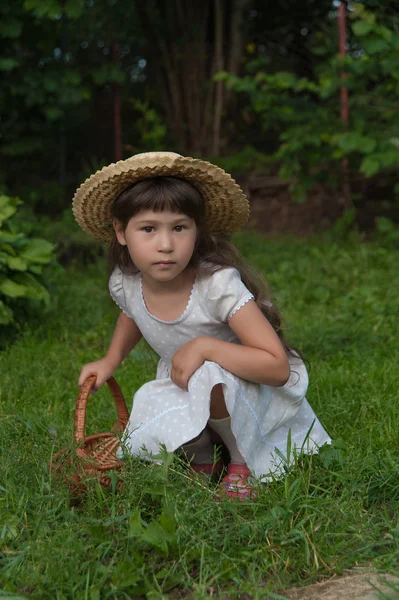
94,456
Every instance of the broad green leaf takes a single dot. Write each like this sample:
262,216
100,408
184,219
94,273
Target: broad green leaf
168,522
85,93
362,27
285,80
72,78
370,166
36,269
368,145
155,489
8,237
389,158
108,73
222,76
385,225
44,8
375,45
33,289
8,287
116,74
358,8
9,201
74,8
6,212
38,251
50,84
10,29
8,64
99,76
8,249
17,263
125,574
350,142
135,525
53,113
157,536
6,314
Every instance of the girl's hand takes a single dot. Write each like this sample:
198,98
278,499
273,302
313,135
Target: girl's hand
187,360
101,368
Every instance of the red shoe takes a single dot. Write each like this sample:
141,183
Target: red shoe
236,485
208,468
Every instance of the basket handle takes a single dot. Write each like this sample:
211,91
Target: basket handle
81,404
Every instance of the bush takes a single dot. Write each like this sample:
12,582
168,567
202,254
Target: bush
304,111
247,161
21,263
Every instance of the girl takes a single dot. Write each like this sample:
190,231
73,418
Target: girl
224,365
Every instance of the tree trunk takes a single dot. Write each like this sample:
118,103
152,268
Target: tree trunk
189,43
117,108
218,84
236,37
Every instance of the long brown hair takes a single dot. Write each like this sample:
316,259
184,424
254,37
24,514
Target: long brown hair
216,251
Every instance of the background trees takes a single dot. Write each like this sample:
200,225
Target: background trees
302,110
190,43
88,81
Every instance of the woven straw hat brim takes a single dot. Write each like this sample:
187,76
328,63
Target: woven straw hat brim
226,206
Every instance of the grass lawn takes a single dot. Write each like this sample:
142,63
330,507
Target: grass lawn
164,535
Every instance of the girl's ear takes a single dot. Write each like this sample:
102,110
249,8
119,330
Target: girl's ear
119,232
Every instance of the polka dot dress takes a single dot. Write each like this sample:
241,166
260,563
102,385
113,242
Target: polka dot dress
262,417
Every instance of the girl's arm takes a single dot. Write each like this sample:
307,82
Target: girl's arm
125,337
260,358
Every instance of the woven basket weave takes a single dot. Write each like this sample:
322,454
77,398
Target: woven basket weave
94,456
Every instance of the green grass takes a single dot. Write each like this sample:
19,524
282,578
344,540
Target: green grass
164,535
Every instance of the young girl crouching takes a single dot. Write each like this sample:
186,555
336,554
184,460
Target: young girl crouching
224,364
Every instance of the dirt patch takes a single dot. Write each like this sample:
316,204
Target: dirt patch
274,211
357,584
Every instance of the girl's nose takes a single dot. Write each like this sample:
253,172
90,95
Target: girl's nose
165,243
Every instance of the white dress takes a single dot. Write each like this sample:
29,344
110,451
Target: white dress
263,418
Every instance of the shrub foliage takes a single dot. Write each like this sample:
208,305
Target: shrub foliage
21,263
304,111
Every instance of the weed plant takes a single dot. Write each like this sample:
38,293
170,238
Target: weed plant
163,534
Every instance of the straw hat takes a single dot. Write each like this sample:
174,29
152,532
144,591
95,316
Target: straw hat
226,206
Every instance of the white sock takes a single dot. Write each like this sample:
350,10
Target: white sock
200,452
223,428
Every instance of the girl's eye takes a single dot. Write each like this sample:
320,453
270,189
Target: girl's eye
179,228
147,229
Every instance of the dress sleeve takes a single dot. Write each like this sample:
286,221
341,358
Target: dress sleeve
227,294
115,286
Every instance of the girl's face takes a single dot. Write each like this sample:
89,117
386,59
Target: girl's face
160,244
